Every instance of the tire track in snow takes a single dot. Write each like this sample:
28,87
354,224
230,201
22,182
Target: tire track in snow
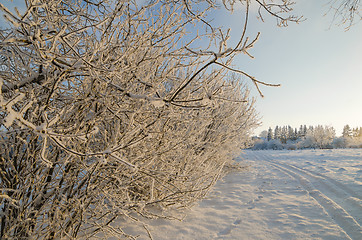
329,203
320,177
336,183
340,193
348,199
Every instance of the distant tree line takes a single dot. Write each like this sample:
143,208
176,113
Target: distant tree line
286,137
286,133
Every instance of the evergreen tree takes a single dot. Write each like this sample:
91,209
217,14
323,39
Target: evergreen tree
355,132
347,132
284,135
290,133
277,133
300,132
310,129
304,130
270,134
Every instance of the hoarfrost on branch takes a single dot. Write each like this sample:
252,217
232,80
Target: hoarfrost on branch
110,108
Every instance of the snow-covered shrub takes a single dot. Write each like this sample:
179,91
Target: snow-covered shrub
339,142
352,137
259,144
291,145
275,144
307,142
263,144
109,108
353,142
318,137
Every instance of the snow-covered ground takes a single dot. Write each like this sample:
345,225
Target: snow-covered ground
306,194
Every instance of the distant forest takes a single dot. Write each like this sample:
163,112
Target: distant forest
286,137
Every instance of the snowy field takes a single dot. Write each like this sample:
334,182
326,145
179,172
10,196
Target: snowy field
306,194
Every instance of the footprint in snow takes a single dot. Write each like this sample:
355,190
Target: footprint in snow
252,202
258,199
228,230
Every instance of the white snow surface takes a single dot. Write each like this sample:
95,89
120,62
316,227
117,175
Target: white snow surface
305,194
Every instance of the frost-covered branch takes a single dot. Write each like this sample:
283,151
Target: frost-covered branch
346,12
110,109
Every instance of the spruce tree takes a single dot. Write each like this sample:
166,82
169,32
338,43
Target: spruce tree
277,132
347,132
270,134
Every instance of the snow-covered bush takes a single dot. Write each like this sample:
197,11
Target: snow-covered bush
259,144
263,144
291,145
339,142
109,108
352,137
275,145
353,142
318,137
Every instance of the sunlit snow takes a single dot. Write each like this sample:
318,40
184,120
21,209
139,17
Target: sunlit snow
306,194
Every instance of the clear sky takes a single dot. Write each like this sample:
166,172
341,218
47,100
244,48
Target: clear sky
318,65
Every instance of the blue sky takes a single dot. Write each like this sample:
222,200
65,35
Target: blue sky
318,65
